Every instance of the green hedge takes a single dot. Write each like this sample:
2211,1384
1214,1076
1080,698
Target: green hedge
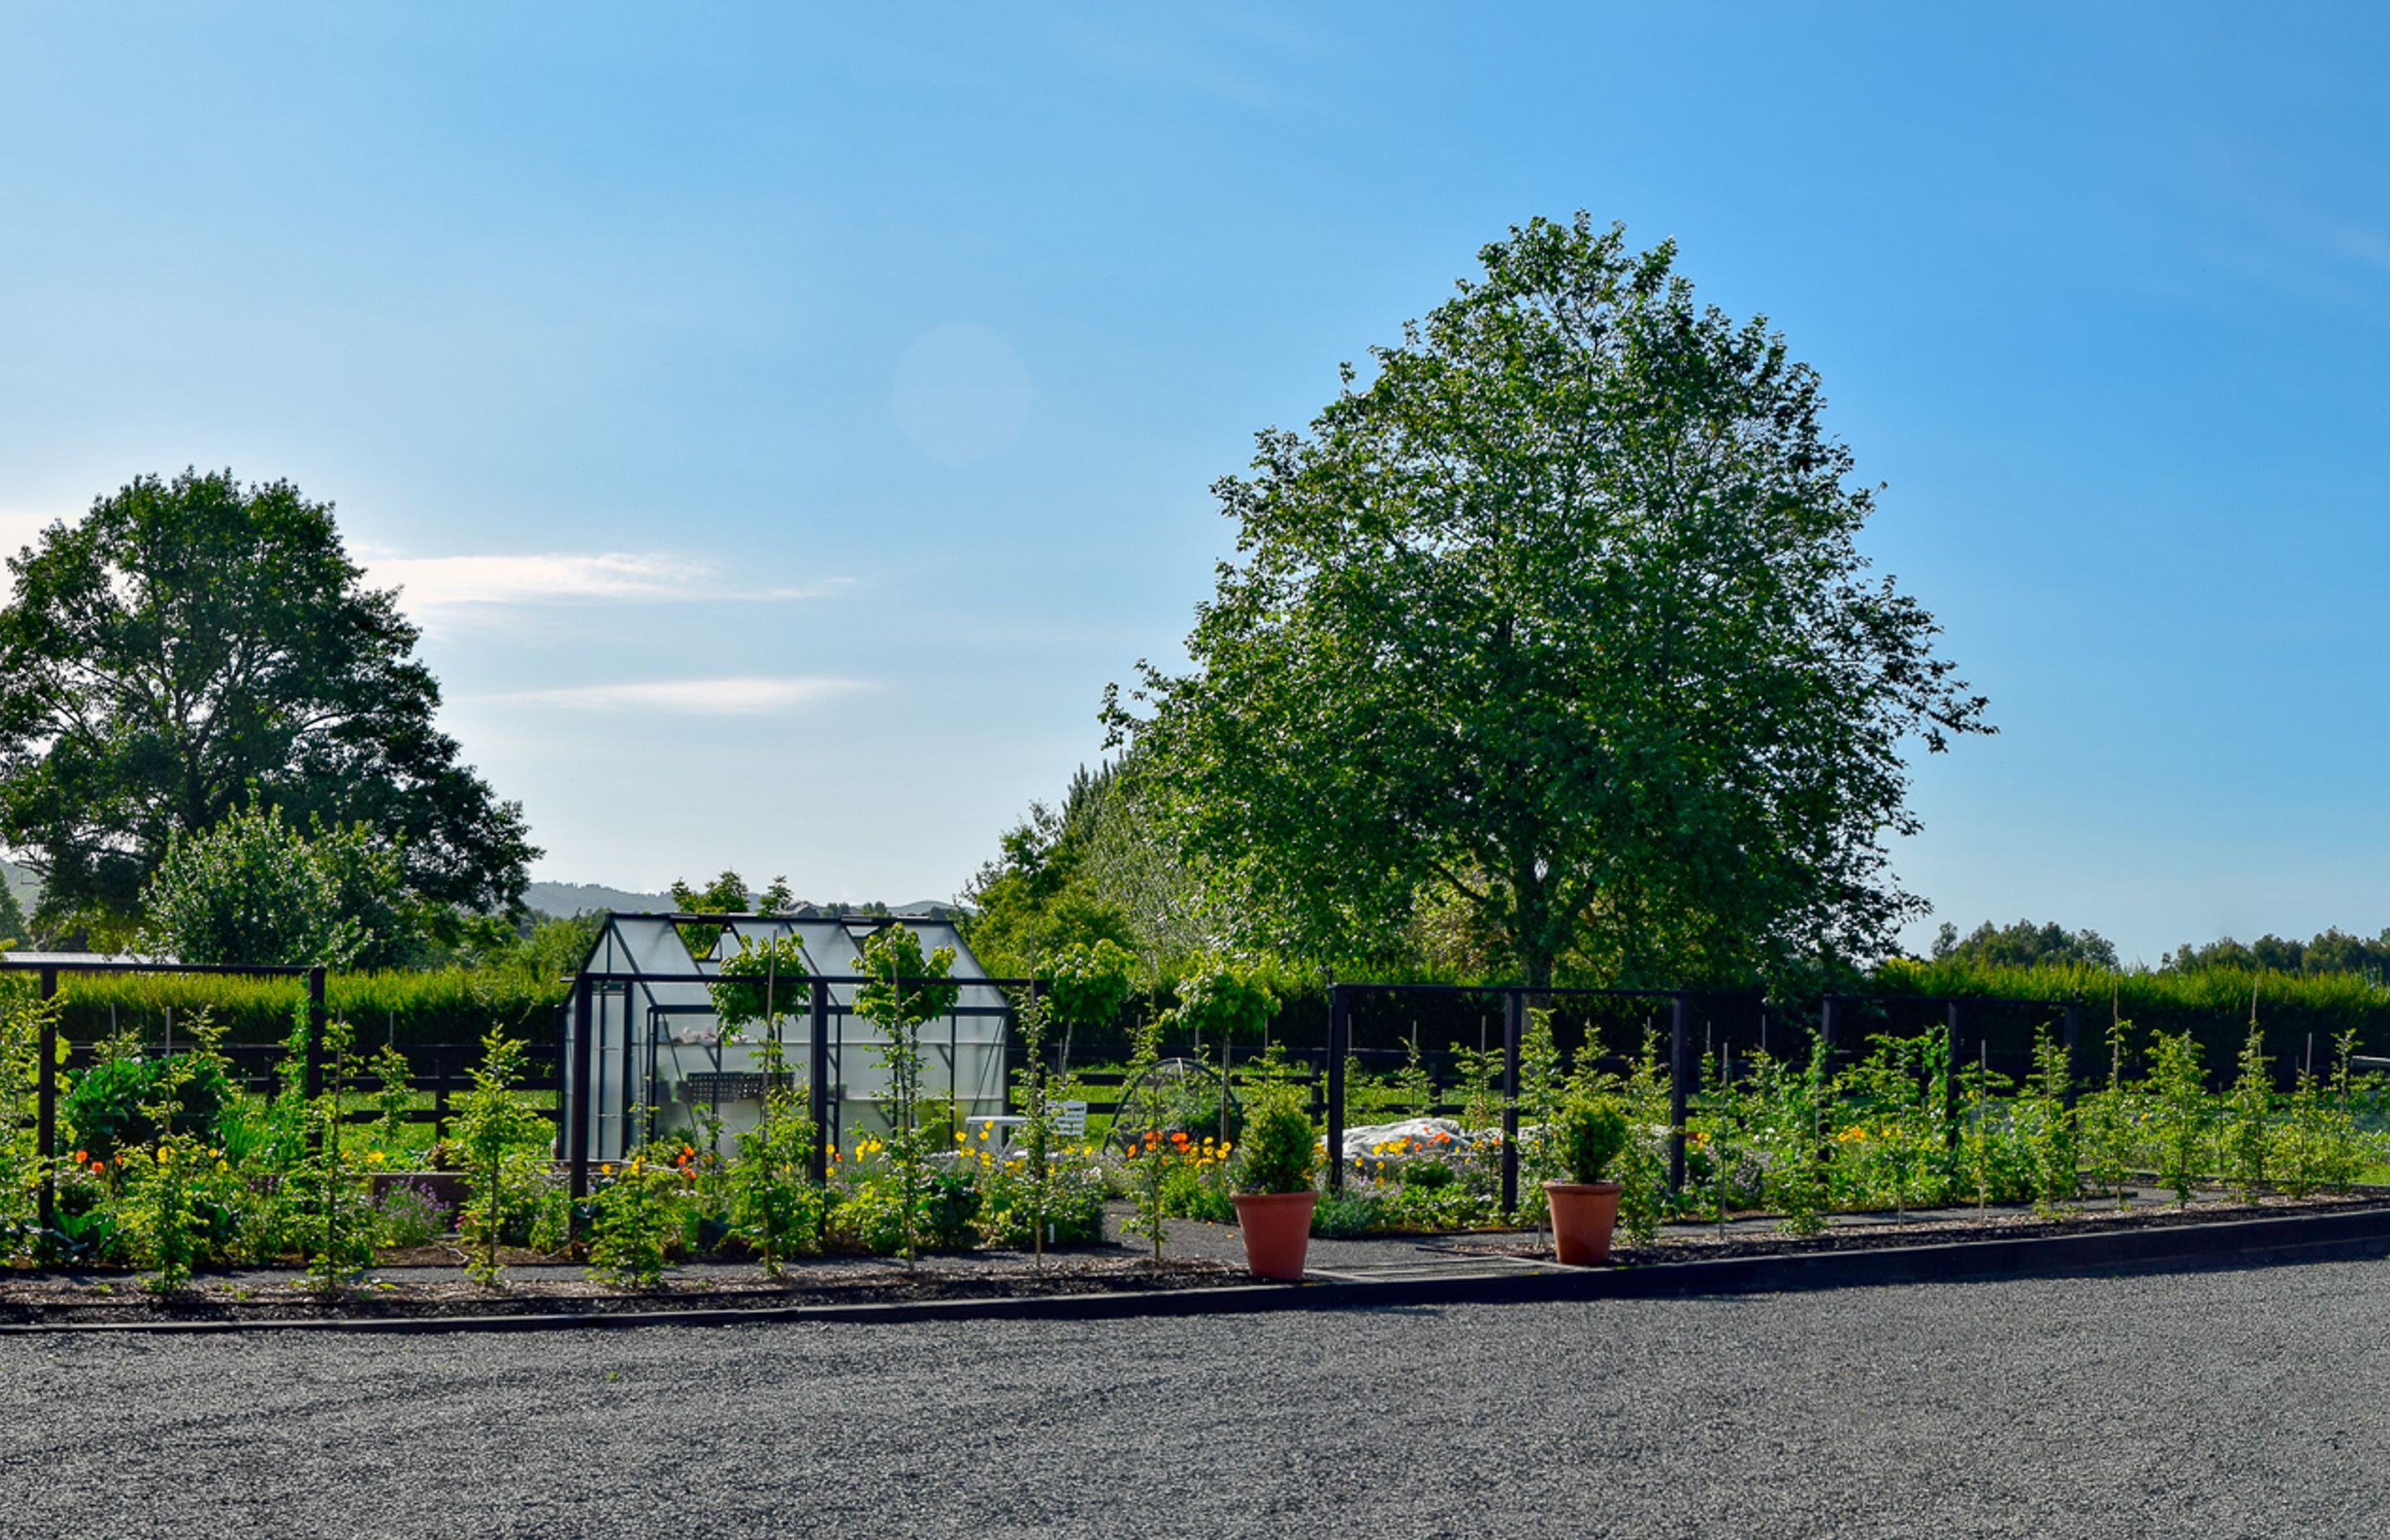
453,1005
2211,1004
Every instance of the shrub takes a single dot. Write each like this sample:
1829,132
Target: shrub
636,1219
118,1103
1587,1135
1278,1152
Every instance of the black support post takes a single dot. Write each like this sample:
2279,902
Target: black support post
315,1033
45,1109
1826,1024
817,1090
1514,1004
2073,1030
1340,1035
1680,1075
577,1101
1950,1073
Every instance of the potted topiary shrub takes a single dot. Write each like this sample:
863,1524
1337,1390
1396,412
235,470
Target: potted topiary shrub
1588,1136
1272,1184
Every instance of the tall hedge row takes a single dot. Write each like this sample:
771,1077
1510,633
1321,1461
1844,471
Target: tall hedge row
2293,1010
442,1006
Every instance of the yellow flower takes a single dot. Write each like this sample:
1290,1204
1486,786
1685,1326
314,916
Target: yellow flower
373,1158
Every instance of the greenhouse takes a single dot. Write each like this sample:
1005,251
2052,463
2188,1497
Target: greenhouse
659,1059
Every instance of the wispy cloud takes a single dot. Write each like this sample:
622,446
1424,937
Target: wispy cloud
737,696
453,582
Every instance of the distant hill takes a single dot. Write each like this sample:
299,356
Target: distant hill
574,898
23,884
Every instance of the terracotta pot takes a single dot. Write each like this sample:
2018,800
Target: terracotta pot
1277,1228
1583,1214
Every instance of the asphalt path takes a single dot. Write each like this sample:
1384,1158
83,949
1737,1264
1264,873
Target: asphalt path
2211,1404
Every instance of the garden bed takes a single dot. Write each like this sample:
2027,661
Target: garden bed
1744,1237
429,1283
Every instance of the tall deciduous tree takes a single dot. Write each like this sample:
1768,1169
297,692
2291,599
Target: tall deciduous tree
189,640
1561,614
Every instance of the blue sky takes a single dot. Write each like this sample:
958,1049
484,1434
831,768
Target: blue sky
784,421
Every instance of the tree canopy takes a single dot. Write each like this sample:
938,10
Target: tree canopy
2025,945
252,888
2332,951
1558,616
192,643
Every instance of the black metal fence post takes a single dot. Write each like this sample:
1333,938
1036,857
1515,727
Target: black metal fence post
1513,1006
1680,1074
1826,1025
1950,1074
577,1097
439,1093
1339,1031
2073,1030
314,1056
45,1109
817,1089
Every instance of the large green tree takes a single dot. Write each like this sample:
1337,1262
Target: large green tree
191,644
1558,614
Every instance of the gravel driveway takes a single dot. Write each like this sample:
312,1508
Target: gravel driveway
2204,1404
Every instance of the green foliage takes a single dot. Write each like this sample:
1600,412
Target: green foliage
2212,1005
907,990
2332,951
21,1020
1342,1215
122,1103
1103,866
2179,1112
1484,634
14,931
2247,1131
1069,1212
774,1205
1588,1136
1086,983
328,1180
726,894
170,1217
1147,1155
761,984
2108,1118
2025,945
408,1215
1034,1080
192,646
1788,1133
254,889
491,1129
636,1220
450,1004
1897,1152
1278,1152
2048,1128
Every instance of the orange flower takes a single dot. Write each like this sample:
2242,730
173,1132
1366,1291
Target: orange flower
98,1166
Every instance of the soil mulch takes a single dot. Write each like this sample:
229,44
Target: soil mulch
428,1283
1682,1243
